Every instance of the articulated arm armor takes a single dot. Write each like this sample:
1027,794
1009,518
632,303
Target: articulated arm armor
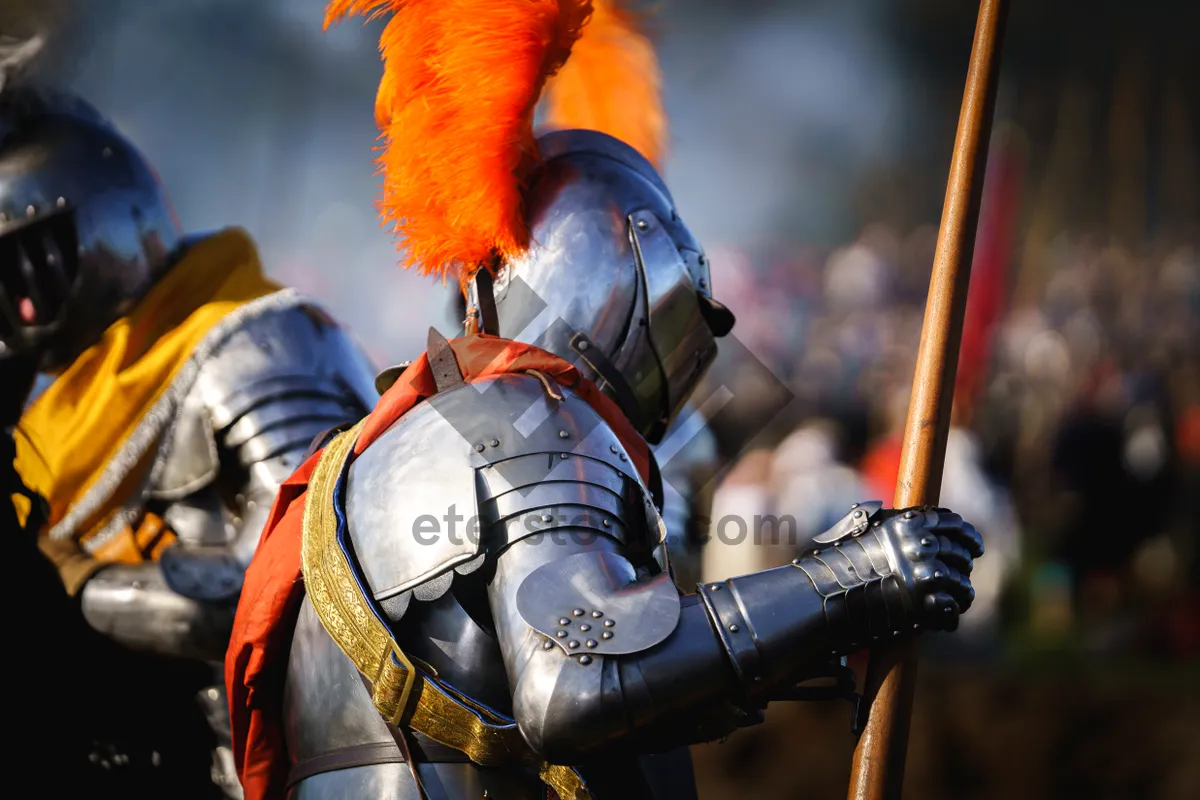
244,427
598,645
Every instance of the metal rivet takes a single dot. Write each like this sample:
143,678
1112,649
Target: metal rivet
606,635
623,457
703,283
106,152
585,627
574,645
642,224
908,515
613,449
875,524
796,562
547,518
547,645
495,442
758,678
714,587
564,435
937,573
854,505
563,456
561,634
734,628
592,643
608,623
606,523
585,660
30,211
597,614
858,513
478,448
564,621
578,612
61,202
926,541
583,345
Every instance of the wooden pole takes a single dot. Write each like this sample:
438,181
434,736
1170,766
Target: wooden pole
878,770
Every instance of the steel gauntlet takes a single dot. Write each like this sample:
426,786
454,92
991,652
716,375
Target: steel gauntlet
876,574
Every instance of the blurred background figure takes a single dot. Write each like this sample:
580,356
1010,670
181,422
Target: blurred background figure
812,484
734,545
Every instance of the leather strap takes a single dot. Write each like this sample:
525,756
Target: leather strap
654,482
324,437
401,743
442,363
422,749
594,357
489,319
360,755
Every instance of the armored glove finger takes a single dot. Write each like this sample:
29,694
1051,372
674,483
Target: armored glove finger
941,549
934,551
955,528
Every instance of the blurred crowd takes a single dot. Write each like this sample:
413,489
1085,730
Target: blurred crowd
1075,446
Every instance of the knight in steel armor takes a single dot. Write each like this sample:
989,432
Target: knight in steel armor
186,385
486,606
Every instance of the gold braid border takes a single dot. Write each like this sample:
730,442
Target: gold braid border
400,692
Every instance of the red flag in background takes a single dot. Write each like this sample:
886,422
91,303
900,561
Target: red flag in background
987,295
986,300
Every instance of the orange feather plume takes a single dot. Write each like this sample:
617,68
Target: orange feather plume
455,110
612,83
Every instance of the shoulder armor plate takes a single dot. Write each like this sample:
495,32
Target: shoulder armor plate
271,382
296,350
476,467
410,505
592,603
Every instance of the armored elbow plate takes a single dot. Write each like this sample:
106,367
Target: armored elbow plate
593,602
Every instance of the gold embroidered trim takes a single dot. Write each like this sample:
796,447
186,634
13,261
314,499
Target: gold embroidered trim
399,691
